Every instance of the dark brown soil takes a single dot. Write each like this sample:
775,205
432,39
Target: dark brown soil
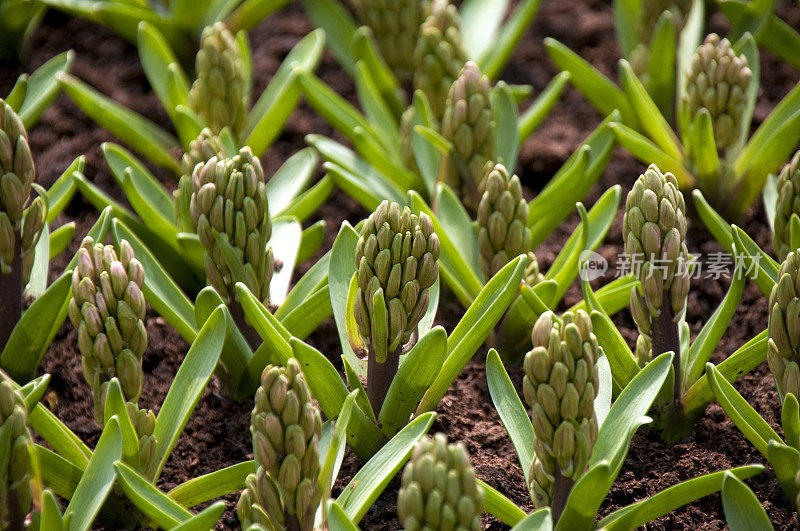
217,435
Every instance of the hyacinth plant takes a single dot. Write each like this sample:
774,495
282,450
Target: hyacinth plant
182,23
712,150
783,453
218,98
29,243
384,291
654,229
574,443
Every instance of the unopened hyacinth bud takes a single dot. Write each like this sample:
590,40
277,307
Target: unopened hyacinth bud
284,493
108,309
560,385
502,219
717,80
788,203
439,489
654,228
650,11
20,484
439,55
221,94
395,25
783,351
397,257
469,124
229,196
21,221
202,149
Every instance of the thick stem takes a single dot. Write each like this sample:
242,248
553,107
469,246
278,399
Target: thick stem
11,296
248,332
666,339
561,488
379,378
292,523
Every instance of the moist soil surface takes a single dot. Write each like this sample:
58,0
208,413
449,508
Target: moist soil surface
217,434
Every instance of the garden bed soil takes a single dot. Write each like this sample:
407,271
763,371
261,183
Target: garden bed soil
217,435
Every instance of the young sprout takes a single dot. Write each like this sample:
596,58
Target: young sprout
439,489
560,385
221,93
21,220
469,124
397,258
502,220
654,228
284,493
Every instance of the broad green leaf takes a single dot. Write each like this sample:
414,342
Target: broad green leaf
368,193
205,519
97,479
153,503
60,193
30,339
336,517
285,243
417,372
368,483
661,65
585,498
251,12
377,111
42,87
51,519
541,520
156,57
495,58
60,239
745,359
512,413
535,114
480,22
598,89
506,117
496,504
115,407
478,321
778,37
741,413
132,128
188,386
339,27
625,14
58,474
645,150
340,273
366,49
647,510
290,180
743,511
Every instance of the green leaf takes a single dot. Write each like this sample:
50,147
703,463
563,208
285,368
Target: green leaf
51,514
61,238
743,511
512,413
153,503
337,519
115,407
213,485
745,359
368,193
598,89
541,520
703,147
480,22
378,112
667,500
205,519
709,337
647,151
30,339
340,273
690,37
157,57
478,321
97,479
366,49
505,115
285,243
535,114
368,483
42,87
584,500
251,12
60,193
495,59
633,402
290,180
58,474
625,13
417,372
141,134
741,413
661,65
339,27
496,504
188,386
59,437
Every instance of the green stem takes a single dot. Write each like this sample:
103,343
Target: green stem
561,488
666,339
379,378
